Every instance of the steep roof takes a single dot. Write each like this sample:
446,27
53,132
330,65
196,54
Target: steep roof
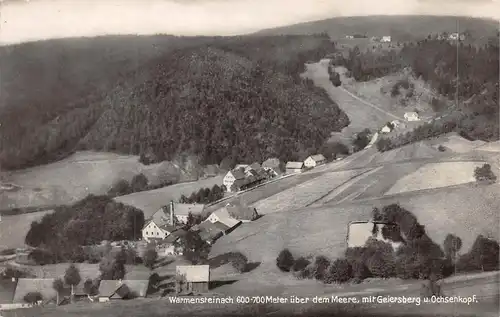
238,166
28,285
411,114
254,166
224,217
271,162
171,238
194,273
242,212
211,170
294,165
124,288
220,226
318,157
237,173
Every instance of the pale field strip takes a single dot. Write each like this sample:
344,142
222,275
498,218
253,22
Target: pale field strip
305,193
436,175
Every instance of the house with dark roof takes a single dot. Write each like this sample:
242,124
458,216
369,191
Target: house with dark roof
272,165
208,231
122,289
237,176
192,279
222,215
314,160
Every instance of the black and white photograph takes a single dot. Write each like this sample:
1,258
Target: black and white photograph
255,158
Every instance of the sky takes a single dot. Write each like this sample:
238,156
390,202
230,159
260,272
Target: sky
30,20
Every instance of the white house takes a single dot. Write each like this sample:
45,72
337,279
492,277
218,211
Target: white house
232,177
294,167
386,129
385,39
223,216
315,160
156,230
453,36
411,116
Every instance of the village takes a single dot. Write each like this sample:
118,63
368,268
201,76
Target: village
162,232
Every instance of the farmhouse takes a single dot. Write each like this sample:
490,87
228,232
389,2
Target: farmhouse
242,213
244,177
233,178
294,167
122,289
167,246
209,232
156,229
411,116
453,36
192,279
385,39
34,285
315,160
386,129
222,215
272,165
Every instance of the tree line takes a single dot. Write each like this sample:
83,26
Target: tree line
65,234
418,257
239,97
203,195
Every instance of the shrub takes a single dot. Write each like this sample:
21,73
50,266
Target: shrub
321,264
340,271
150,257
483,256
362,140
441,148
300,264
32,297
139,183
239,262
285,260
484,174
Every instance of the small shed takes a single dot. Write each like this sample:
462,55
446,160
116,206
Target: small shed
411,116
294,167
192,279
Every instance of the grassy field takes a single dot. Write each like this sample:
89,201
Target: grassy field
361,116
150,201
465,211
260,193
75,177
435,175
13,229
306,193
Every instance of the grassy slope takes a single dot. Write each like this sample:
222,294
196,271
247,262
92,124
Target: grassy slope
77,176
150,201
401,28
13,229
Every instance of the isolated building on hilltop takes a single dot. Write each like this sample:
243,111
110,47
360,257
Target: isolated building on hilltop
192,279
315,160
411,116
385,39
294,167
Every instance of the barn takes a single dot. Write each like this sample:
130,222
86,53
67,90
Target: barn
192,279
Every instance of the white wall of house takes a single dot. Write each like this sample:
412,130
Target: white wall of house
309,162
213,218
103,299
385,129
228,181
153,231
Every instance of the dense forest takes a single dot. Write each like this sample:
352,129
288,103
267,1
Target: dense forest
460,72
238,97
87,222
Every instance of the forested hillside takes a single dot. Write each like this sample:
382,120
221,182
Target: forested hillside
469,73
237,98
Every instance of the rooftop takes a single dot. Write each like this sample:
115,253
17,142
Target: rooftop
194,273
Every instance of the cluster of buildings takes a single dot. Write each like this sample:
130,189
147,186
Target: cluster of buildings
245,176
166,226
189,279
